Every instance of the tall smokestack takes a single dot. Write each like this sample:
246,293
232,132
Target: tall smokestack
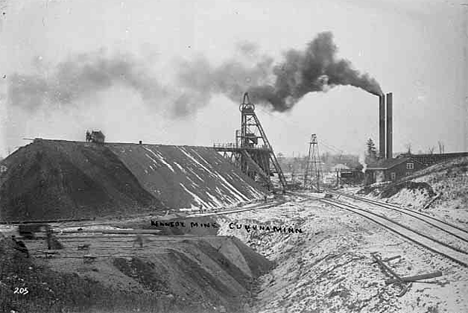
382,126
389,125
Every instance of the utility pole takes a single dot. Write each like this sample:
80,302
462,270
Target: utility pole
291,168
313,171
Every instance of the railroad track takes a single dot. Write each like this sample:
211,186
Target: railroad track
446,250
255,207
449,228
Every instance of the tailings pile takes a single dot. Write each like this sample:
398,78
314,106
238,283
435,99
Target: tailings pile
66,180
51,179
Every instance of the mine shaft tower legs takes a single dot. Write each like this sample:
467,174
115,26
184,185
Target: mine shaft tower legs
251,137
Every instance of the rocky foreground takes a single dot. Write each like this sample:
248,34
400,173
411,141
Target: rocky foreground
193,273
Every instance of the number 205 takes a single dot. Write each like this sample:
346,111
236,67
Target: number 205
21,291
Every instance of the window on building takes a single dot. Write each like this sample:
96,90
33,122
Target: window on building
392,175
409,166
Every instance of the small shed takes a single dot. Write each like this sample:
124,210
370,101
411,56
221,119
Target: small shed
340,168
95,136
392,169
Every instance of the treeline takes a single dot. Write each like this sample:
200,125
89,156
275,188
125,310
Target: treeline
328,162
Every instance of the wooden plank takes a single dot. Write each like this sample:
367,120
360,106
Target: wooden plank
431,201
392,258
397,278
415,278
113,231
132,231
84,247
89,258
388,269
45,221
389,259
48,254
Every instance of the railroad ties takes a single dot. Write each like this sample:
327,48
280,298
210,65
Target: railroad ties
444,239
456,253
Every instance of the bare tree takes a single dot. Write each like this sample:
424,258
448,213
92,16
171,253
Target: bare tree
430,150
441,147
408,148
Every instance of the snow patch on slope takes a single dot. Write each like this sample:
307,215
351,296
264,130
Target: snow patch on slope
232,188
160,158
194,160
196,198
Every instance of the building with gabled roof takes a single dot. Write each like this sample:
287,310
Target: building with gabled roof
392,169
431,159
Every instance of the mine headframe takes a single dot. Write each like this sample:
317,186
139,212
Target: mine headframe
252,152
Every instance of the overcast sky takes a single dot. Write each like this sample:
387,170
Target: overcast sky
413,48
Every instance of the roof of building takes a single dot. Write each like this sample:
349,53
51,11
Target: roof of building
99,133
340,167
386,163
451,154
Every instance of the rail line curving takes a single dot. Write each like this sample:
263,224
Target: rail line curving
454,230
428,243
436,246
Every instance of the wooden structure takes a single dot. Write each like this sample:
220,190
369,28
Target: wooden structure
313,172
388,271
391,169
49,254
84,247
351,176
431,159
88,258
252,152
33,230
95,136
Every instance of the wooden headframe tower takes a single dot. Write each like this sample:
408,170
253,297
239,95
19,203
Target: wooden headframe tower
252,152
313,173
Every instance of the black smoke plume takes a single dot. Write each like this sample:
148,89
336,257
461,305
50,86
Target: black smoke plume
282,85
200,79
278,85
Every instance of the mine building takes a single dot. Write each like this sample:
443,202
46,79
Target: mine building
340,168
95,136
349,177
392,169
431,159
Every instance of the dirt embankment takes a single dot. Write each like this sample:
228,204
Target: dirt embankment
409,188
169,274
446,183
